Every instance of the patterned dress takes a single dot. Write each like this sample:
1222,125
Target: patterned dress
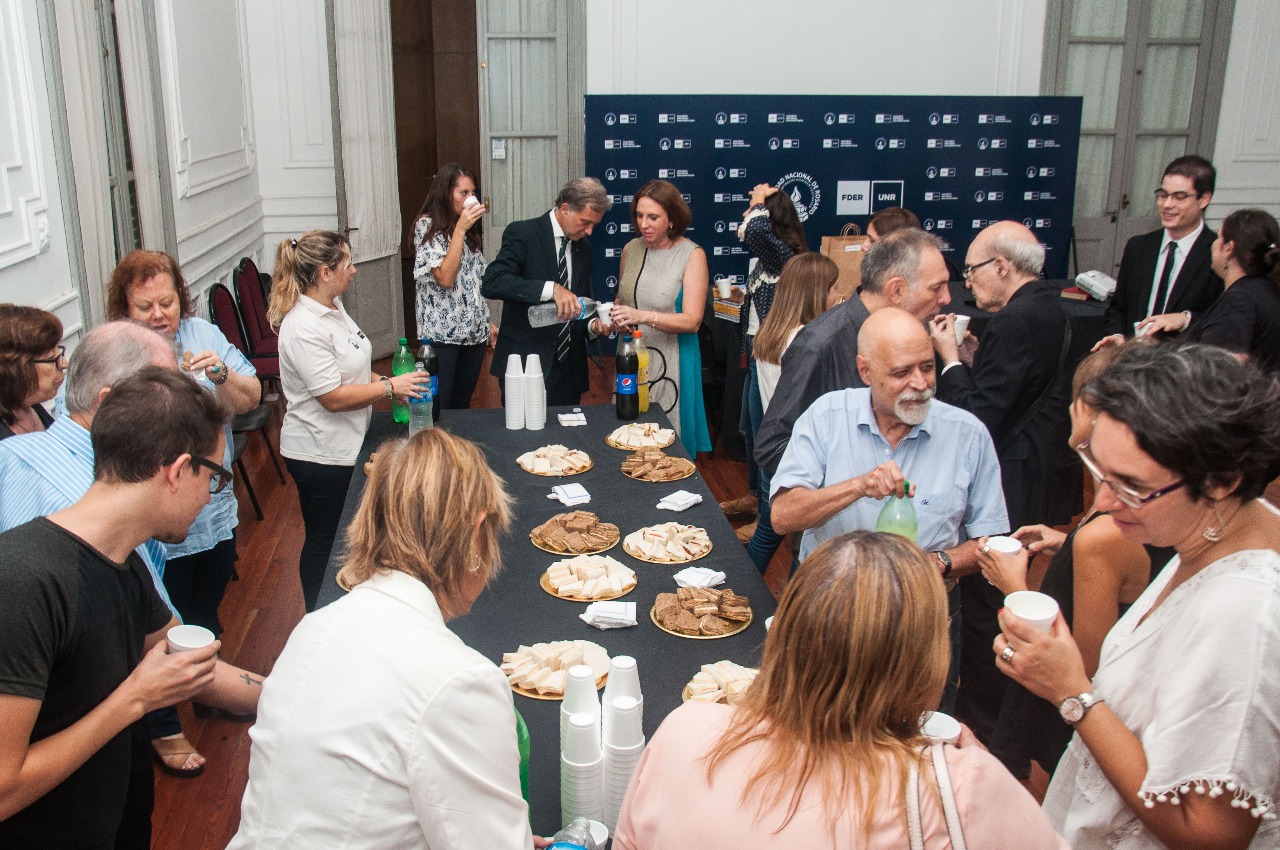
458,315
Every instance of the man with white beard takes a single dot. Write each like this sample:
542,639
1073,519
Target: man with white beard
853,448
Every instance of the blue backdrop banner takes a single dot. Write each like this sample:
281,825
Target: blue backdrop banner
959,163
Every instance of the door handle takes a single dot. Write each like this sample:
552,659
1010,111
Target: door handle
1112,214
1124,201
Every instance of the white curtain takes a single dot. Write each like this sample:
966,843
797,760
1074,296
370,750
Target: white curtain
367,108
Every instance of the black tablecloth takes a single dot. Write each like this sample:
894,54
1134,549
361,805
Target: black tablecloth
515,610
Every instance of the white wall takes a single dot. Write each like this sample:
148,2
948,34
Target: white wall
1247,153
979,47
34,266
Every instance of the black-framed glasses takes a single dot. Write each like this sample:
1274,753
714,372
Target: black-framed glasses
56,360
969,270
1162,195
1126,495
219,478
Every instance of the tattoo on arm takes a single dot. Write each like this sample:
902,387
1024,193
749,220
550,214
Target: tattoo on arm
249,680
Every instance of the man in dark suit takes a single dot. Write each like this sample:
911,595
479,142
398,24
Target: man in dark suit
542,259
1018,382
1168,270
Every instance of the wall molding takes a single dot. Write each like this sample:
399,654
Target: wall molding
1258,133
24,205
301,54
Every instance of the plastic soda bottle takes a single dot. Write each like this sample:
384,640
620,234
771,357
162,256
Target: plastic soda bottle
642,376
546,314
575,836
898,516
627,368
428,362
420,409
522,743
401,362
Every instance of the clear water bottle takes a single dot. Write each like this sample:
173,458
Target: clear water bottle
401,362
575,836
546,314
898,516
420,408
427,358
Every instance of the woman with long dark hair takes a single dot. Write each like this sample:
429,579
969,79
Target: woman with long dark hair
448,266
32,365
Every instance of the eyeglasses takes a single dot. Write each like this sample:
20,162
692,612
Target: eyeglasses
1162,195
969,270
1126,495
57,359
218,480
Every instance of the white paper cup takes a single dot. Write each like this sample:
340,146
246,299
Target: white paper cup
533,365
604,311
1038,609
1139,331
724,289
599,833
939,727
624,678
1007,545
580,690
962,325
470,201
581,744
185,638
768,623
622,727
513,365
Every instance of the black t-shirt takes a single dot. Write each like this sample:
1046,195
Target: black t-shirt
72,628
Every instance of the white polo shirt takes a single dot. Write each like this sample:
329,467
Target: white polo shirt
321,350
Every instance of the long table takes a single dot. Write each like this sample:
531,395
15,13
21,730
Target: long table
515,610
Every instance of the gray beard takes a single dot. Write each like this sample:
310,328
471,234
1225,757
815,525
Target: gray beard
916,413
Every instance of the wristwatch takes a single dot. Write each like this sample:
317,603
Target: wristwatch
1073,709
945,560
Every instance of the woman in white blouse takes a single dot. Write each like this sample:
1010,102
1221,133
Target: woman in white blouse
325,364
378,726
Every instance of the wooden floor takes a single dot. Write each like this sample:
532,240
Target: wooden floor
263,606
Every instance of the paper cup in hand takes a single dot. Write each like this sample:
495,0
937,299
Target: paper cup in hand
962,327
1035,608
939,727
186,638
1005,545
724,289
470,201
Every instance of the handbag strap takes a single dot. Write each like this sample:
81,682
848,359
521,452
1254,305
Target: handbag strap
915,827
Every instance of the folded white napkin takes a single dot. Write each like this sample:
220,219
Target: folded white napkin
570,419
679,500
610,615
570,494
698,577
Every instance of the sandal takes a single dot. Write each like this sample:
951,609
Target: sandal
742,506
172,753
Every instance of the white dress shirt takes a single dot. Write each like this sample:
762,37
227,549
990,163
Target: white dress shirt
321,350
1179,257
379,728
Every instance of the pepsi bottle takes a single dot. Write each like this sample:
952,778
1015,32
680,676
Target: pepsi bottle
627,367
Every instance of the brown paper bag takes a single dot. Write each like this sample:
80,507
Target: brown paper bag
846,252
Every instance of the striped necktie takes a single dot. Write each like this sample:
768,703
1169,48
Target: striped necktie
562,342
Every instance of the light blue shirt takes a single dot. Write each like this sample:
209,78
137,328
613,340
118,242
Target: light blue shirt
219,518
949,457
50,470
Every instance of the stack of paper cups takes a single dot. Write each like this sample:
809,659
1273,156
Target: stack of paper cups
579,698
624,681
623,746
581,771
535,395
515,392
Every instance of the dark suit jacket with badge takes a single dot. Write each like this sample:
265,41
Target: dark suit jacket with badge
1195,288
517,276
1017,357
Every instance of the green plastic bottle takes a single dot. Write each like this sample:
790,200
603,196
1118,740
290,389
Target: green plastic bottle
898,516
522,742
401,363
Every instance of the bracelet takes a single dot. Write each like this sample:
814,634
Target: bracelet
654,323
386,382
221,374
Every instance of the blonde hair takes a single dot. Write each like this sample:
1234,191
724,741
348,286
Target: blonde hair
419,511
801,297
298,261
857,652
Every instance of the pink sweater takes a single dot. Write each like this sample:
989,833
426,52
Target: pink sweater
670,804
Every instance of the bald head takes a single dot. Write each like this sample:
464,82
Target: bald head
890,326
107,354
895,360
1002,258
1017,244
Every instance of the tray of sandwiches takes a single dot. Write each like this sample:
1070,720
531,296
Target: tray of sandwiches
575,533
668,543
701,613
541,670
555,461
641,435
722,682
588,578
656,465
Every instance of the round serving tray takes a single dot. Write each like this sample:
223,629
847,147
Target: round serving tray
560,474
628,550
692,469
741,626
553,697
544,582
609,440
571,554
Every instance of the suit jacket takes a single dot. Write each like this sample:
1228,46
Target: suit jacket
1017,357
526,261
1195,288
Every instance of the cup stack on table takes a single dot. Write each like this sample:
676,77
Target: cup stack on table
600,744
